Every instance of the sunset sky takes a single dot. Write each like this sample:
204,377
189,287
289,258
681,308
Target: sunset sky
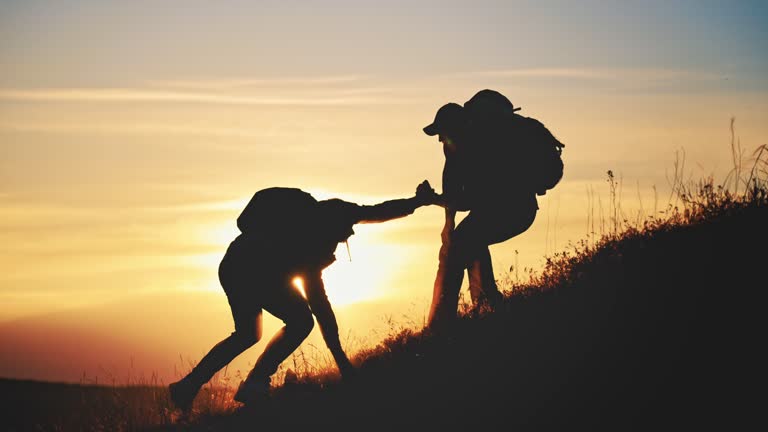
133,133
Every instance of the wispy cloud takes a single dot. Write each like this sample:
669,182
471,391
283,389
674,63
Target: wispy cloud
160,96
145,129
25,213
613,74
239,83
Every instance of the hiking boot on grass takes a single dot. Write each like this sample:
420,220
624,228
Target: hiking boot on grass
253,390
493,299
183,394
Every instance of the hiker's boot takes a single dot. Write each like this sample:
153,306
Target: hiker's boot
253,390
183,393
494,298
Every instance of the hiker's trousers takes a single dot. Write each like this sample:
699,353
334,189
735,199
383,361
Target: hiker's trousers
467,248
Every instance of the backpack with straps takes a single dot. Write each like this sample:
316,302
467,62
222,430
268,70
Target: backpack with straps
520,147
278,212
540,154
298,228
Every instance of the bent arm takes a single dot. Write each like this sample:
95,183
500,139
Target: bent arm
453,195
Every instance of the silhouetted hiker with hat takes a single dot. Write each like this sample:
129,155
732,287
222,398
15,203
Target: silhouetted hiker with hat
483,175
285,233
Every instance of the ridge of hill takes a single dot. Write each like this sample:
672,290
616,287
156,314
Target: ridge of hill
658,327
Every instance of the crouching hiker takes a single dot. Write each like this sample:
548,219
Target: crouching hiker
285,233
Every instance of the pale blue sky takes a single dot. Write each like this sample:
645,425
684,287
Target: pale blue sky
91,43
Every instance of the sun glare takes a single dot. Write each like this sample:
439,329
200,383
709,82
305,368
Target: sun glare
298,282
364,279
344,284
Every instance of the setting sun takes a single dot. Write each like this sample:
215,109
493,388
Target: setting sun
366,278
359,280
134,134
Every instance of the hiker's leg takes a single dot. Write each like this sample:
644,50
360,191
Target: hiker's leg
490,289
445,291
248,328
485,228
468,249
482,283
469,242
497,224
247,317
291,307
234,278
475,281
246,334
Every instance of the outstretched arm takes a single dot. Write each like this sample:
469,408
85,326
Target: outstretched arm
397,208
326,319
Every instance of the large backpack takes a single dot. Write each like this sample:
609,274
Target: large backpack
518,153
511,149
278,212
539,152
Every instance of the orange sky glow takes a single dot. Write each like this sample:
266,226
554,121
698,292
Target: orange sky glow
129,144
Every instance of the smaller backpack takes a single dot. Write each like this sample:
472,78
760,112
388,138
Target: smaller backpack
278,212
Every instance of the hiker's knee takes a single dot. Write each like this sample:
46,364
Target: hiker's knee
301,323
246,338
463,248
248,328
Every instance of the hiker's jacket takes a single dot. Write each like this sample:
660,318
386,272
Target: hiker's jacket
482,177
305,252
312,246
336,227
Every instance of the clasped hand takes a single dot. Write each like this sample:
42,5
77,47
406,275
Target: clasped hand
425,194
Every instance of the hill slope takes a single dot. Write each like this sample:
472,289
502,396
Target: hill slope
658,329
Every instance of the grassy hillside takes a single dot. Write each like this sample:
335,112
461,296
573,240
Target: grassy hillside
655,327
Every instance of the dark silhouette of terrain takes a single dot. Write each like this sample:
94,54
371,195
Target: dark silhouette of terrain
659,327
655,328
